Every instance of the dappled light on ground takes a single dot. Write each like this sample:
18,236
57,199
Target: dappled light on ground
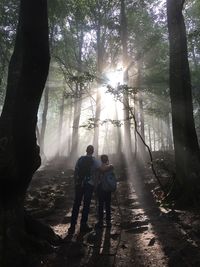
142,234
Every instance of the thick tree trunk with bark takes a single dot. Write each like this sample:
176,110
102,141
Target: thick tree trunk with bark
19,153
186,146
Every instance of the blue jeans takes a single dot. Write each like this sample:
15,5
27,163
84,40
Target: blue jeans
82,192
104,199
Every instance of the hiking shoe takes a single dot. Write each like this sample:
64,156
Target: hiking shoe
85,228
71,230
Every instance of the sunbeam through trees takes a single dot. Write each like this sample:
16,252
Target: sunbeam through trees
122,77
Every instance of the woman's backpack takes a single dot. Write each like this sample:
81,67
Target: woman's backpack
109,182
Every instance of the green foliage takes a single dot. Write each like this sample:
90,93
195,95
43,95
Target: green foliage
8,21
192,20
73,26
83,78
120,90
192,14
92,123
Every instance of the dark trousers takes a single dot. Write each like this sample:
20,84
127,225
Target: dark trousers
104,199
82,192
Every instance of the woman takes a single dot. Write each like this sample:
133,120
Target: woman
104,197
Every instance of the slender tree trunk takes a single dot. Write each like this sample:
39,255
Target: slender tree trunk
141,112
127,131
162,136
100,56
76,121
187,155
154,134
44,118
69,126
28,70
169,134
119,136
60,124
96,121
149,132
78,103
141,109
106,143
137,121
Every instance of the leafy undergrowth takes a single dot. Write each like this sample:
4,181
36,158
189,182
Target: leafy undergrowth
142,233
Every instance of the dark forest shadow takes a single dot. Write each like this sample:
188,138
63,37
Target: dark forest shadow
175,244
101,249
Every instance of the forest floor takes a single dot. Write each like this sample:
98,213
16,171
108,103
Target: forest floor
142,232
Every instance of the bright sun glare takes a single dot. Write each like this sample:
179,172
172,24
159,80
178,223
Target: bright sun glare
115,77
109,106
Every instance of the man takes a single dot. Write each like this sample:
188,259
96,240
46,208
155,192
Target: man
84,176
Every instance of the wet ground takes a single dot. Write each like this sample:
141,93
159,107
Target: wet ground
142,233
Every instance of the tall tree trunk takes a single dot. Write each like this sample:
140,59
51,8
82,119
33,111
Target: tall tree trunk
149,133
100,56
69,126
28,70
96,121
76,120
187,154
119,136
44,119
161,134
154,133
169,135
127,131
60,124
137,122
140,108
78,103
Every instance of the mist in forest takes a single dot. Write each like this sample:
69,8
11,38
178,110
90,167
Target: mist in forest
60,123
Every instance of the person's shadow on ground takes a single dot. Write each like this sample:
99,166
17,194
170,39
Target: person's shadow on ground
100,255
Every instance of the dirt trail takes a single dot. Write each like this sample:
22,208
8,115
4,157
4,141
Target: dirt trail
142,234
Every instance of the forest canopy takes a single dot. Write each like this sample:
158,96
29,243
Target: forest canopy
87,55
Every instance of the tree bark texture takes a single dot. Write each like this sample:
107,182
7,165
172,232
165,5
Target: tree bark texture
19,153
185,139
